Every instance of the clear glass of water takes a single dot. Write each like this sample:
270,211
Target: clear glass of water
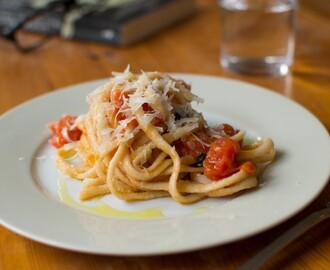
257,36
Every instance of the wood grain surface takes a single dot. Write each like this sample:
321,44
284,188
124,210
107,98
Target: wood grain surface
189,47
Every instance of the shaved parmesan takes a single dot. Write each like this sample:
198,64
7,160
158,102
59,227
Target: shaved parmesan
160,96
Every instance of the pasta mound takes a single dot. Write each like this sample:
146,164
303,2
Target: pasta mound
141,139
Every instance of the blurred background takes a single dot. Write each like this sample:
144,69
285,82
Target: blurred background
45,46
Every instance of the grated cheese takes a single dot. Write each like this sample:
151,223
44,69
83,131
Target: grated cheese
164,96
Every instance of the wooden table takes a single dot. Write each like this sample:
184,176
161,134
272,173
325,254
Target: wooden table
190,47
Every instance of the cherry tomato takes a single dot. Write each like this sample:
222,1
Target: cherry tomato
220,159
64,131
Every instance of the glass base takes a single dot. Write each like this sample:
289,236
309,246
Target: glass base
267,66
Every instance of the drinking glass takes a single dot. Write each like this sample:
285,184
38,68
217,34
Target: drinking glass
257,36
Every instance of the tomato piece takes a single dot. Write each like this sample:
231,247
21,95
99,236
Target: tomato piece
64,131
157,121
194,144
220,159
120,115
227,129
248,167
146,107
117,97
57,141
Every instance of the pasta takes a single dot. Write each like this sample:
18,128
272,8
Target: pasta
141,139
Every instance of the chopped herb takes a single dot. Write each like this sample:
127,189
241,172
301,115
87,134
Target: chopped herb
177,116
200,160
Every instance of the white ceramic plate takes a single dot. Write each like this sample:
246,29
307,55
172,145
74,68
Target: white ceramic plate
30,202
